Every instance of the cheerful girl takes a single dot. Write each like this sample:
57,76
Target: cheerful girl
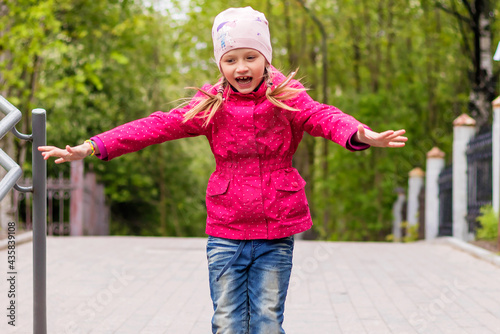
254,119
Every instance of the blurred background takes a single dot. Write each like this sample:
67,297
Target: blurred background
95,64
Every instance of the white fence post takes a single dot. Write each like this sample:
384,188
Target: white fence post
434,166
415,183
463,131
397,214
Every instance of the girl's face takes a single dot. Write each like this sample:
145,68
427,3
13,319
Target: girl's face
243,69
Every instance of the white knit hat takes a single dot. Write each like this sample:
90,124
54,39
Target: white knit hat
237,28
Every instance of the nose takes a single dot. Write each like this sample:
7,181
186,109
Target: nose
242,67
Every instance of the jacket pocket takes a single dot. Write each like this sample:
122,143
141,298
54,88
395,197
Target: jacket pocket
288,179
217,185
289,201
218,199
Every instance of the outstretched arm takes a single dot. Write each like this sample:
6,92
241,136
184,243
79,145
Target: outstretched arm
388,138
68,154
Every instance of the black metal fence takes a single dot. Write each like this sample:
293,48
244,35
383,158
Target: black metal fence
421,213
446,202
66,198
480,179
58,198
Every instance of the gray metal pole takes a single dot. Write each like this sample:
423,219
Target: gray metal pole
39,223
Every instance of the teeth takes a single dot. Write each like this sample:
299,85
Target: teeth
243,78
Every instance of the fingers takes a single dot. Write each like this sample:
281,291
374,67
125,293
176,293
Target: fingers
387,134
397,139
46,148
52,151
398,136
394,135
396,144
389,138
63,155
390,134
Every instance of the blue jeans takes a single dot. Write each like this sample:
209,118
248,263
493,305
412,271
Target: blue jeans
248,284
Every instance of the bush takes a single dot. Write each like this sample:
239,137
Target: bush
488,220
411,232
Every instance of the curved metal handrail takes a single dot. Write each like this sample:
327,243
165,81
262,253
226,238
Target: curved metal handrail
14,172
12,116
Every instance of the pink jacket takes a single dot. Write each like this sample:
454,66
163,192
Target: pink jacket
254,192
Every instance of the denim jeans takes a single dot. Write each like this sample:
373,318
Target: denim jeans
248,284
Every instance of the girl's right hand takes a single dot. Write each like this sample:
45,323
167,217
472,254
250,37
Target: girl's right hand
69,154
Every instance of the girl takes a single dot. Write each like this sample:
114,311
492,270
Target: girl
254,119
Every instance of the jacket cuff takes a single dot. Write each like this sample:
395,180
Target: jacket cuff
354,145
103,153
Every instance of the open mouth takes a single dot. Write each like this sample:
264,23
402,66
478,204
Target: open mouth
244,80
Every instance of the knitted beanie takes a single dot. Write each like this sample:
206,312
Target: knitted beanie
237,28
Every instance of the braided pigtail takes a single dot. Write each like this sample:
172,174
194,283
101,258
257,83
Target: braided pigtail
283,92
208,105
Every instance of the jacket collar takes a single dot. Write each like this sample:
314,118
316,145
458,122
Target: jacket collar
256,94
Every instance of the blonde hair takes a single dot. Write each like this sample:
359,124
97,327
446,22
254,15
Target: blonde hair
211,103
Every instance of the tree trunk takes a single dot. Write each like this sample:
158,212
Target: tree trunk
478,23
483,88
390,41
357,55
292,55
429,115
372,49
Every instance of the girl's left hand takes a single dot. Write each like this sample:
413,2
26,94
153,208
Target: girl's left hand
389,138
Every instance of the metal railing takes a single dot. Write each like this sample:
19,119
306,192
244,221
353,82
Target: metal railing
39,190
446,202
479,176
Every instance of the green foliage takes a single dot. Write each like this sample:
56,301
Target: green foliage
488,221
411,232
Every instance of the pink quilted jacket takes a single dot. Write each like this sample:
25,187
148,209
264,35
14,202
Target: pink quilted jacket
254,192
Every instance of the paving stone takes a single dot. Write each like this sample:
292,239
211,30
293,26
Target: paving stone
152,285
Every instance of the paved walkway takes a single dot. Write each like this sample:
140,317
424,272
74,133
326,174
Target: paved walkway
142,285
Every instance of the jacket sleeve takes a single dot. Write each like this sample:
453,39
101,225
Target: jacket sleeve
156,128
321,120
